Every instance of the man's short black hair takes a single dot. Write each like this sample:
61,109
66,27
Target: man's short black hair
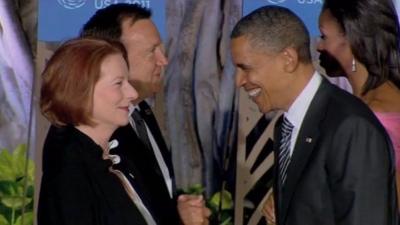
274,28
106,23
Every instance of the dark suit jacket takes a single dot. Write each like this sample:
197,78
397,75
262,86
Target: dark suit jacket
341,170
146,170
77,187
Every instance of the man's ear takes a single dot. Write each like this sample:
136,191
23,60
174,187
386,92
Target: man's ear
291,59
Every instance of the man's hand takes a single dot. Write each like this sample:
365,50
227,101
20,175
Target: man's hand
192,210
269,210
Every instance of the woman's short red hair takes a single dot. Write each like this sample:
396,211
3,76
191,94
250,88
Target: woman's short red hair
69,78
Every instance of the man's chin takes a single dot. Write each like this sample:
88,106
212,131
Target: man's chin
267,107
265,110
330,65
262,108
157,87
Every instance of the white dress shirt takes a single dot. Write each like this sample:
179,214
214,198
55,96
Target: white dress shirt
298,109
156,149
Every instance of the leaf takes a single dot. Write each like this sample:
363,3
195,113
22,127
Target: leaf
28,219
6,166
227,221
3,220
6,187
31,172
196,189
15,202
16,172
30,191
11,189
13,166
227,202
19,160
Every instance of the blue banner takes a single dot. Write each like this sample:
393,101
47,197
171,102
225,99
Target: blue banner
59,20
307,10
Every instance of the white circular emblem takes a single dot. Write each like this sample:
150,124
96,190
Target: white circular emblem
276,1
72,4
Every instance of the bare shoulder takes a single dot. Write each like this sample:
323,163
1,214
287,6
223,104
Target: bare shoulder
386,99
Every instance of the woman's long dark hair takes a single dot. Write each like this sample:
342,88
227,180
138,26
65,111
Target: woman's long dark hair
372,29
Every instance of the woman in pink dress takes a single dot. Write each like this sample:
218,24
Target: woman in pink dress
391,121
363,36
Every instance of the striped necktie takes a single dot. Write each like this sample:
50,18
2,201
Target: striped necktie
284,149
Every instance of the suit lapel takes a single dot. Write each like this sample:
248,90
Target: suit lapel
130,147
305,145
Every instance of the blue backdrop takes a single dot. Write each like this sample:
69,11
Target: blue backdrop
307,10
60,20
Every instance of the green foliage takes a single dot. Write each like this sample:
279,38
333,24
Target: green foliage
28,219
16,173
221,205
221,211
227,202
3,220
196,189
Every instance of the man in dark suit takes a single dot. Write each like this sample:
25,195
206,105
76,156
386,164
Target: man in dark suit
145,157
333,159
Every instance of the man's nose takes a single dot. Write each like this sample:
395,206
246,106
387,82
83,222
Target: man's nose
320,45
161,58
240,79
131,92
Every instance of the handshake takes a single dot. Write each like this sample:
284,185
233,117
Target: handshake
194,209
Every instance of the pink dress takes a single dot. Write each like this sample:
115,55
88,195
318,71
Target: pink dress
391,122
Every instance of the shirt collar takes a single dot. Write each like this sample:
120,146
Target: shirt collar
298,109
132,107
150,101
